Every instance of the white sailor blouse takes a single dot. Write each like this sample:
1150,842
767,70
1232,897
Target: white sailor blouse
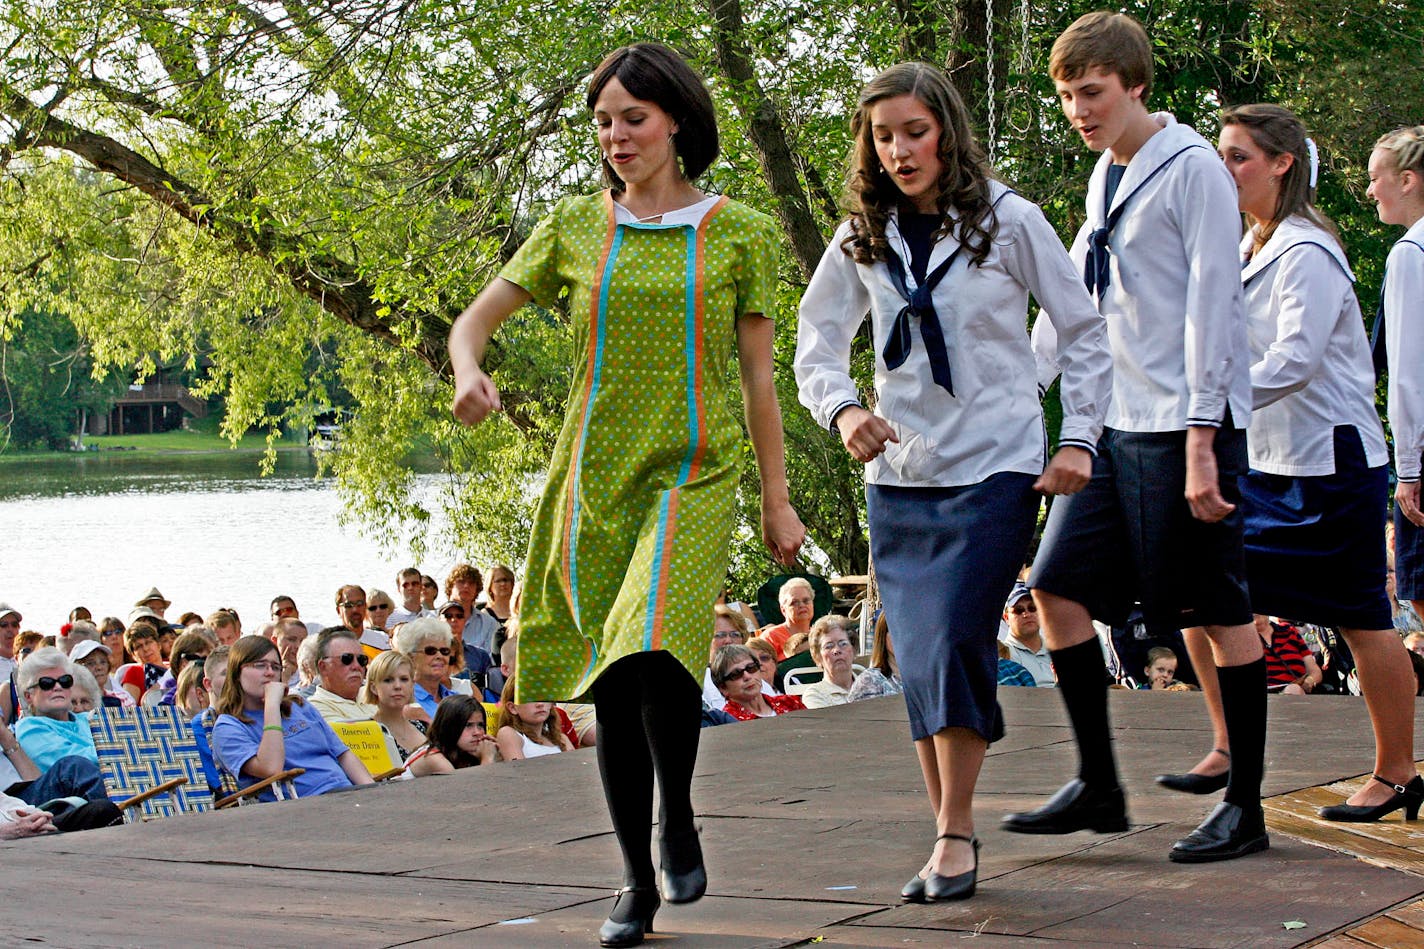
1404,334
993,421
1311,367
1168,282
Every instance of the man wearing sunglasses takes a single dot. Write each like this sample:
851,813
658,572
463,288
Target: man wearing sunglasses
341,668
1025,642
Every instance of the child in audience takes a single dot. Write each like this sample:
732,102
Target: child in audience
528,729
458,738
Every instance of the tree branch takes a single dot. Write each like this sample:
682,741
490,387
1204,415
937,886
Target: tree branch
331,282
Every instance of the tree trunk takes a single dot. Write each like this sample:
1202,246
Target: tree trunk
768,134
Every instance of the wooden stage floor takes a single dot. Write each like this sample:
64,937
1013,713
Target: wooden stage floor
811,823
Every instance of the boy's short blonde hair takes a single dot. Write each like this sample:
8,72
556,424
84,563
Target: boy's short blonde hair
1112,41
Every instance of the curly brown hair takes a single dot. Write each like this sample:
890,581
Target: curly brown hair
963,185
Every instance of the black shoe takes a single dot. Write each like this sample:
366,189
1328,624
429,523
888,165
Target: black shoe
914,891
687,885
1228,832
632,917
943,889
1190,783
1076,806
1408,796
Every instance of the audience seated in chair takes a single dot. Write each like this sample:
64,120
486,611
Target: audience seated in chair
68,776
833,649
883,675
798,606
528,729
341,671
389,688
1160,673
50,730
261,730
427,641
1010,672
728,628
734,669
1290,666
458,738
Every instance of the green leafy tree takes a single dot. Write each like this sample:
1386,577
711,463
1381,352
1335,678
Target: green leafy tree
296,198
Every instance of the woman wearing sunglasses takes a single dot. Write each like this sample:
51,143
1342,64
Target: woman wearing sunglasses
261,730
428,643
50,730
735,670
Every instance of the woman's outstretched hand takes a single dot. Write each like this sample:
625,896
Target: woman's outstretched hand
475,396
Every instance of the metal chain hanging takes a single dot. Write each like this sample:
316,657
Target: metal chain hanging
989,74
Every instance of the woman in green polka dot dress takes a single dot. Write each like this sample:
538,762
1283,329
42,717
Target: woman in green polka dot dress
629,547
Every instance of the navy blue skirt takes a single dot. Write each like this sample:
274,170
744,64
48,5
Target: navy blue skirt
1315,547
1408,558
945,559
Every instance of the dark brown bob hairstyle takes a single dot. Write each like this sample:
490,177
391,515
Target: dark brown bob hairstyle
654,73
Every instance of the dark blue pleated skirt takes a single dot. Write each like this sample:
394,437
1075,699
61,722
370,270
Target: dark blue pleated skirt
1315,547
945,559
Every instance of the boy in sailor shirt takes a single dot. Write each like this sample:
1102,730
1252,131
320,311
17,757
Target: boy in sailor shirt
1159,521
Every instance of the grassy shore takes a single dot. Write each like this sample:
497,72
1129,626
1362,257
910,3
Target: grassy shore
176,442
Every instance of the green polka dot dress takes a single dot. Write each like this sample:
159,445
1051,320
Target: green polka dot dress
630,542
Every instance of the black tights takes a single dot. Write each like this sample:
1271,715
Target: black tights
649,720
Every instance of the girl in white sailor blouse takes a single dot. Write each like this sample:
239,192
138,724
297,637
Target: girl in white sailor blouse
1314,496
943,258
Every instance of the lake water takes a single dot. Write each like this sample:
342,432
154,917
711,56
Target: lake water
206,529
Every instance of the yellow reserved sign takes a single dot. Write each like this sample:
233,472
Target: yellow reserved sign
369,742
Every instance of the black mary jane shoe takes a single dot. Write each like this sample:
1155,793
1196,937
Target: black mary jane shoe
1228,832
685,886
631,919
1190,783
1407,796
1075,806
943,889
914,891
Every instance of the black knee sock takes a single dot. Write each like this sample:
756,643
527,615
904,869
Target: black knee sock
1083,682
672,721
626,767
1243,704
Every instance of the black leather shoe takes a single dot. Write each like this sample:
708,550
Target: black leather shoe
687,885
943,889
1228,832
1407,796
1076,806
632,917
1190,783
914,891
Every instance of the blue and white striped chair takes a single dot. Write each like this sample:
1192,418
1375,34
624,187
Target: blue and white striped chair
150,762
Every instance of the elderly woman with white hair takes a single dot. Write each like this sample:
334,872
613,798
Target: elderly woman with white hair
428,641
833,651
50,730
798,605
50,754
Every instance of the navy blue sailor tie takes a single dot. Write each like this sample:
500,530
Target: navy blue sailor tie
1378,349
919,303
